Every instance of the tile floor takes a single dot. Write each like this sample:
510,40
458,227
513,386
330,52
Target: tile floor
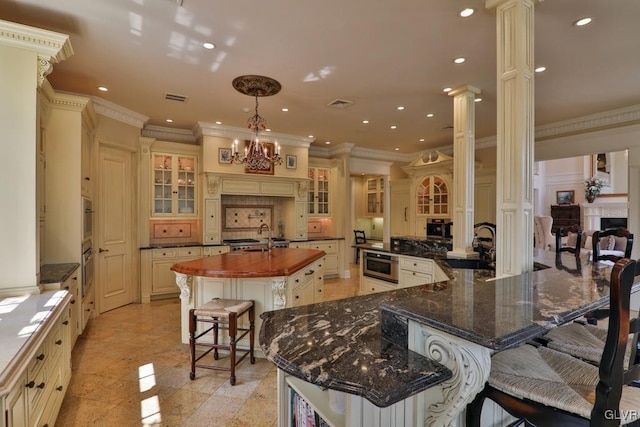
130,369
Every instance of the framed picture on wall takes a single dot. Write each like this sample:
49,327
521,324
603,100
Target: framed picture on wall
292,161
566,197
268,168
224,155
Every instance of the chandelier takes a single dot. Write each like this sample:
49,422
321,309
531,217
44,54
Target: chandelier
258,154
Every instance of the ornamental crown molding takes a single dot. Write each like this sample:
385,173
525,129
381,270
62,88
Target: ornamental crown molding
211,129
607,119
116,112
52,46
169,134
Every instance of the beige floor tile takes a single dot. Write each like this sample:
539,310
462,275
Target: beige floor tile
131,369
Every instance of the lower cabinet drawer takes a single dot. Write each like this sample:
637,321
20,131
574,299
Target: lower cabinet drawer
416,264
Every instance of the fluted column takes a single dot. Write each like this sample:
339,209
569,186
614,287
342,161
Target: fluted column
464,120
515,135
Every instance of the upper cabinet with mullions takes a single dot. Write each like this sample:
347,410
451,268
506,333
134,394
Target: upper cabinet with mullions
375,196
319,192
174,184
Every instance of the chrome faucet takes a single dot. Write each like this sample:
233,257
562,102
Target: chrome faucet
269,244
492,249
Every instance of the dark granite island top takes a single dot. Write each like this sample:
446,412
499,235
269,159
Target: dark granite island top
344,344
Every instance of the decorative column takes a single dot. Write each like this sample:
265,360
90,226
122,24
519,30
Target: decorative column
464,120
515,136
633,216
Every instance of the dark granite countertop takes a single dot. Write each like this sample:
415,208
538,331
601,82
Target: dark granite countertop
57,273
331,344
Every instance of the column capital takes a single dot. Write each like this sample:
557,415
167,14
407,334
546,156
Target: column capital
464,89
490,4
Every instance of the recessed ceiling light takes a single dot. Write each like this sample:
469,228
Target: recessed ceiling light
399,108
169,121
421,140
218,123
446,89
430,115
467,12
397,149
366,122
582,22
394,127
103,88
268,129
327,142
459,60
477,100
285,109
311,136
540,69
208,45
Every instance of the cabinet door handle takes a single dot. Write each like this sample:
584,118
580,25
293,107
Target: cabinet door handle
41,385
59,342
66,288
405,214
73,301
59,388
30,384
40,357
66,322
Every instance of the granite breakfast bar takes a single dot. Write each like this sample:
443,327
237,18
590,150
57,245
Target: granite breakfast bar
368,346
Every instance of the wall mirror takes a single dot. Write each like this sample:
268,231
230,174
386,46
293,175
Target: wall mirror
613,169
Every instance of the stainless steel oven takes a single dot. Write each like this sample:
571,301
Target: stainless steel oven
87,219
381,266
87,266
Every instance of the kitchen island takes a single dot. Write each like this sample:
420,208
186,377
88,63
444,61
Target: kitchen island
456,323
283,277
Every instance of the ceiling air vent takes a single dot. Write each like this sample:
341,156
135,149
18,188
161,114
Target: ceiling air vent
340,103
174,97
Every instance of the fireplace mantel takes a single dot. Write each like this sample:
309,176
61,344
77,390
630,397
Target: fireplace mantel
603,207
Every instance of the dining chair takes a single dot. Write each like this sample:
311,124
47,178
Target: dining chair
612,245
544,387
573,242
360,238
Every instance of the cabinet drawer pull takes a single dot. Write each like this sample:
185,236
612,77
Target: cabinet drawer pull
59,388
75,278
309,273
41,385
40,357
59,342
72,301
66,322
31,384
319,290
297,296
66,288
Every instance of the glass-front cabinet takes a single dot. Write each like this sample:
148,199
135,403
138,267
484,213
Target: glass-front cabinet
432,197
375,196
174,184
318,201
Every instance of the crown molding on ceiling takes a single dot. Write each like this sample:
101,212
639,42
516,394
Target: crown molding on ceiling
169,134
116,112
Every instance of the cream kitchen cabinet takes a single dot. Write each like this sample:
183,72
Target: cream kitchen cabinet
374,193
211,222
40,360
215,250
174,181
416,271
332,257
72,285
319,192
369,285
306,286
88,306
301,220
157,279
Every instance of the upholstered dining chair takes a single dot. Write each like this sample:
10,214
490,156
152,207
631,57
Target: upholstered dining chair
612,245
359,238
573,243
543,387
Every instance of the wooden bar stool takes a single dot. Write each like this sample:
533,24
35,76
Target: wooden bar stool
222,314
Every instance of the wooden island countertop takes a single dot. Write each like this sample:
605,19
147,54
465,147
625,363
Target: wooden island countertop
250,263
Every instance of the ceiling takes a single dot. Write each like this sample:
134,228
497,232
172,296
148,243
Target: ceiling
377,54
